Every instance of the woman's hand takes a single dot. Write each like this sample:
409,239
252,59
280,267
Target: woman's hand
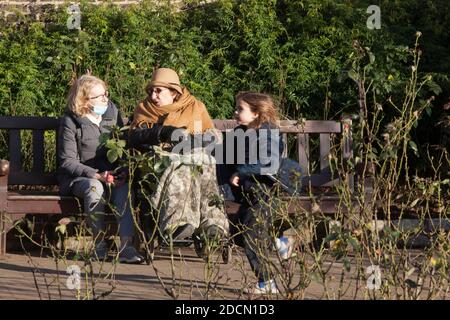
101,176
105,177
234,180
109,178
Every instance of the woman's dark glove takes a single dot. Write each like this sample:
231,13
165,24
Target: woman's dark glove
158,133
165,134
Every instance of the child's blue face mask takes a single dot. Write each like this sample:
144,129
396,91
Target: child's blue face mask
99,110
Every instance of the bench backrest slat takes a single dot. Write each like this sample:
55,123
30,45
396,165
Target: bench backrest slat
347,149
310,126
38,151
15,148
325,143
28,123
303,151
56,148
290,126
32,178
285,145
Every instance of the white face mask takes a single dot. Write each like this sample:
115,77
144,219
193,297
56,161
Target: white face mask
99,110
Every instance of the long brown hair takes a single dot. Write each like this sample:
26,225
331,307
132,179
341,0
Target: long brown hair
261,104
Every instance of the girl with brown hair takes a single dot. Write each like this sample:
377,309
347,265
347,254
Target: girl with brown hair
256,112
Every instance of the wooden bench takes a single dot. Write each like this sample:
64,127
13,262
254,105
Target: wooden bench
16,203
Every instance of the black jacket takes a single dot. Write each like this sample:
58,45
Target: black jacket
79,151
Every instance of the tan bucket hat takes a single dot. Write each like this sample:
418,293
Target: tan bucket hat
165,77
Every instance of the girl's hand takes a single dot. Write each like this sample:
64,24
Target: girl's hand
234,180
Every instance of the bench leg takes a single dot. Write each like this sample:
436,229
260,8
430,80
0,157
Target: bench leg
2,234
4,169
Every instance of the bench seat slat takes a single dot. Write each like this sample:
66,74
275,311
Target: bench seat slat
16,197
326,204
42,205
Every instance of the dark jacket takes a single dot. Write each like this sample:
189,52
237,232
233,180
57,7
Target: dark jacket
79,151
256,168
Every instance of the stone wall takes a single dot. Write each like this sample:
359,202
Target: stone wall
37,7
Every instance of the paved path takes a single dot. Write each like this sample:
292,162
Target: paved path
22,275
39,277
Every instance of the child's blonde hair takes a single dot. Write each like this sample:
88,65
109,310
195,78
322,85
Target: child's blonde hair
79,94
261,104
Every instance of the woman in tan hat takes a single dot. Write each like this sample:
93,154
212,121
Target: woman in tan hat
184,196
169,104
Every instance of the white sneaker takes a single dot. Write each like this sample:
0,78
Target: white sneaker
130,255
285,246
268,287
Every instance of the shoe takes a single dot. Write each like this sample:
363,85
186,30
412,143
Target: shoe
183,232
101,251
268,287
285,246
130,255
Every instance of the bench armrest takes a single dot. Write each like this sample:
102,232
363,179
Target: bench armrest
4,167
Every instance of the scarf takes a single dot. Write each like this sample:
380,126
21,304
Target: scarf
186,112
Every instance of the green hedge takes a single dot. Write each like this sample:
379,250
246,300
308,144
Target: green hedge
297,50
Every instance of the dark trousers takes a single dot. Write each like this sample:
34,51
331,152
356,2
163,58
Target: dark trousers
256,224
255,219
